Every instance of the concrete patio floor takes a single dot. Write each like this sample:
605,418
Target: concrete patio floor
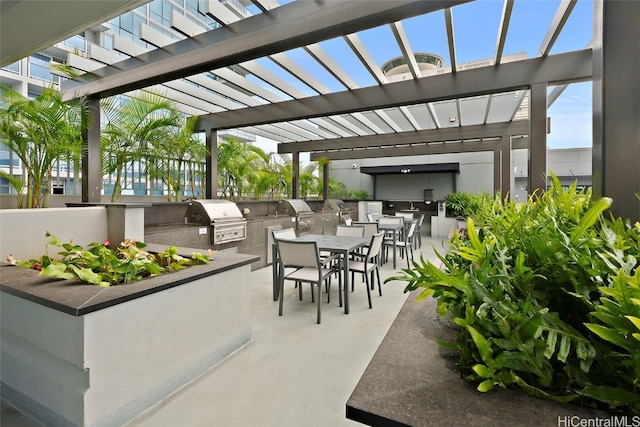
294,372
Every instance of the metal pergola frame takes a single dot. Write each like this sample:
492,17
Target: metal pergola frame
356,122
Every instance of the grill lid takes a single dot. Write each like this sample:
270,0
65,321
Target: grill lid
335,205
211,210
293,207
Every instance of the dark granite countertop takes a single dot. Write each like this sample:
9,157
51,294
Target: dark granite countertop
410,381
76,298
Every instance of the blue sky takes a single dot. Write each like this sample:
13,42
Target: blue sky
475,27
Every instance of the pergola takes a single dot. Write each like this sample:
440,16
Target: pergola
406,116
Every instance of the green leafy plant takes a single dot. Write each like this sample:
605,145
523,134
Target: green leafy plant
464,204
99,264
359,195
545,295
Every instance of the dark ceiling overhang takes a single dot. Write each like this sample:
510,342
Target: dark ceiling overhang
411,169
299,23
27,26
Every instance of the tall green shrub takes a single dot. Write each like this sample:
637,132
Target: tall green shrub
545,295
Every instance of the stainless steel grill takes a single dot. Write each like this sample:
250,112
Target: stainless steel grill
337,205
300,210
225,221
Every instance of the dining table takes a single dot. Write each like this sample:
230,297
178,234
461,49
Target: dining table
342,245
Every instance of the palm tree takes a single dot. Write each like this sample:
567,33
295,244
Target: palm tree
39,131
239,165
177,154
136,125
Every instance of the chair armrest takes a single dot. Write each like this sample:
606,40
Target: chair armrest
329,259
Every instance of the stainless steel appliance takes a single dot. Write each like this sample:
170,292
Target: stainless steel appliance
300,210
225,221
337,205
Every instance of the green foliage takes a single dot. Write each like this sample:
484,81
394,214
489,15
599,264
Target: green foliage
359,195
464,204
137,128
39,131
546,295
18,185
100,265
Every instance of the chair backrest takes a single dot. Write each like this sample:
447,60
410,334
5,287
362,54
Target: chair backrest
412,229
286,234
408,215
375,245
370,228
373,217
394,220
351,231
299,254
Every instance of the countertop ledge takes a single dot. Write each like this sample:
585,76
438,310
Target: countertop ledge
78,299
410,381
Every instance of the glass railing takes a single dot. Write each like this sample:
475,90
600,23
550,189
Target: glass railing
76,42
14,68
237,6
39,69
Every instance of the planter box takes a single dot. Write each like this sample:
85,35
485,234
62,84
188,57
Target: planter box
81,355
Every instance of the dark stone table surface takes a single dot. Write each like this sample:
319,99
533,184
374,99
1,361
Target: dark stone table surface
410,381
76,298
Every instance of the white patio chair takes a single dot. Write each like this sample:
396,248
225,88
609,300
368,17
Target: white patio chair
305,259
405,245
367,264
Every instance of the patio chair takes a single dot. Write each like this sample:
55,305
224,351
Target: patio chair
304,258
405,245
350,230
370,228
287,234
419,231
373,217
367,264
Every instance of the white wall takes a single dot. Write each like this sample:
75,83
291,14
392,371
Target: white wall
22,231
108,366
476,173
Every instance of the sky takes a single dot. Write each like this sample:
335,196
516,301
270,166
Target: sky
476,27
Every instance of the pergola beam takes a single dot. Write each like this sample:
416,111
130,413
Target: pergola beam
290,26
420,150
560,18
561,68
491,130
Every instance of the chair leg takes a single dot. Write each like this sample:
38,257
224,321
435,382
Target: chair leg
319,299
327,284
368,291
340,287
281,297
313,299
409,262
379,286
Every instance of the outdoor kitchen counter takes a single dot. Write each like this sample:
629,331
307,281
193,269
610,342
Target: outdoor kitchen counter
77,299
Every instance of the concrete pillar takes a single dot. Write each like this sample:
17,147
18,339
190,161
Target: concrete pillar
91,170
616,105
295,176
538,138
211,168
